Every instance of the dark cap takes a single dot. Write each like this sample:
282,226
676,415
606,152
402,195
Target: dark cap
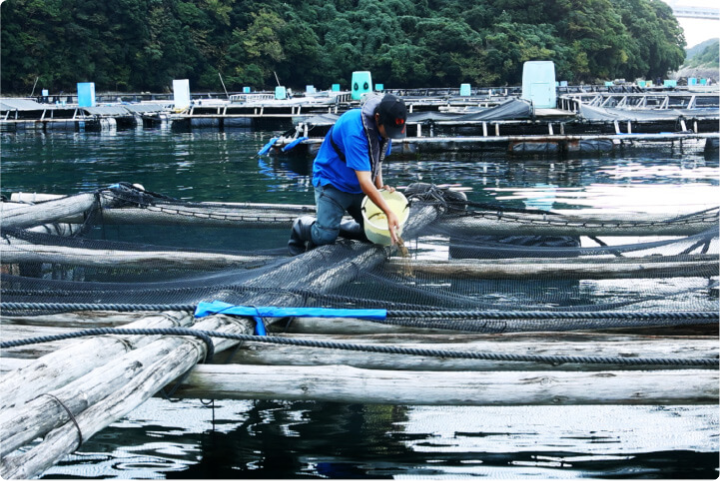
393,115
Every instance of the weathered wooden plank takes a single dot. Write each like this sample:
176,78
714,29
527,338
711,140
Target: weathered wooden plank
77,358
628,347
471,269
369,386
40,415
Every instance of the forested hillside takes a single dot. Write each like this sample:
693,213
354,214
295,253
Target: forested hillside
705,55
141,45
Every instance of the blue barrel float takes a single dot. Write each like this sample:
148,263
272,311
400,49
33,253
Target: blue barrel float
280,93
361,84
465,90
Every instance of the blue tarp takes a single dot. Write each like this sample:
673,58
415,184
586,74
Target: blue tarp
217,307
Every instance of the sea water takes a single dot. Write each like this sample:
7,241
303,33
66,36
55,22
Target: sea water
264,439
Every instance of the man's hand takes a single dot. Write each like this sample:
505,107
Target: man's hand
393,225
388,188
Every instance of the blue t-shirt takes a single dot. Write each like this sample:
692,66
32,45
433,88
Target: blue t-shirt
349,135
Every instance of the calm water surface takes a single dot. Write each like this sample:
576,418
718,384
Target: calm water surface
243,439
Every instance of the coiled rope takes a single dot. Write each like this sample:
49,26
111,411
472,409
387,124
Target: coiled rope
206,335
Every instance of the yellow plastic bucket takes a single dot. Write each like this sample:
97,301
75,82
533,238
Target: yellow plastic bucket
375,221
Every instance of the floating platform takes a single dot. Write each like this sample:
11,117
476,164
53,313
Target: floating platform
92,328
26,114
548,131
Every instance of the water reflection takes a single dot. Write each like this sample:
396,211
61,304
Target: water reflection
304,439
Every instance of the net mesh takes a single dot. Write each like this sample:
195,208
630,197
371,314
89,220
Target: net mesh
129,246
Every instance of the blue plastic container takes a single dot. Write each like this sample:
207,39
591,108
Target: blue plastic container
692,81
641,83
465,90
310,89
361,84
703,81
563,83
538,84
335,87
280,93
670,83
246,90
86,94
609,84
379,87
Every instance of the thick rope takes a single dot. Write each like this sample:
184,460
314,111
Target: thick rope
552,360
175,331
423,314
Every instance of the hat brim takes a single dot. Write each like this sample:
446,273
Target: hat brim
396,132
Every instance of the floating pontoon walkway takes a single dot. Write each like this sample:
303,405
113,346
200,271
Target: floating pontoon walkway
80,350
25,114
516,127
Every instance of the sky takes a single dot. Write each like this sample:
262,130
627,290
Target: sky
698,30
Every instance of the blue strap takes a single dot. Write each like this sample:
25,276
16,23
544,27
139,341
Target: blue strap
216,307
293,143
267,147
259,326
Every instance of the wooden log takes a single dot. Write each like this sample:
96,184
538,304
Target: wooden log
299,209
9,364
316,325
77,358
84,319
147,381
40,415
565,269
22,216
621,347
551,326
524,224
23,252
64,230
312,270
218,214
15,332
208,217
369,386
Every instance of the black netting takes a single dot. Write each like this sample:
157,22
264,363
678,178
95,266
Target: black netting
137,248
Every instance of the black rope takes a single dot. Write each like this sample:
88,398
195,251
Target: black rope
72,418
100,331
61,306
397,313
553,360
